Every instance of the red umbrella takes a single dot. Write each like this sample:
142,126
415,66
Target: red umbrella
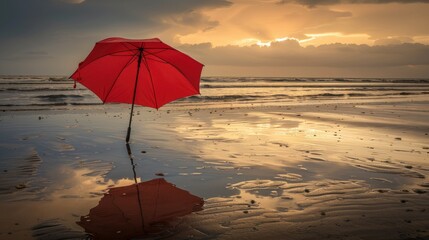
146,72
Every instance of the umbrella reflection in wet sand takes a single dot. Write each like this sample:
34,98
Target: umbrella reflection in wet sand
139,210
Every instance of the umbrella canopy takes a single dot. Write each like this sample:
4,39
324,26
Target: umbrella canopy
138,209
165,74
146,72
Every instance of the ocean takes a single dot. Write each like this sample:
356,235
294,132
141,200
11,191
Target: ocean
57,92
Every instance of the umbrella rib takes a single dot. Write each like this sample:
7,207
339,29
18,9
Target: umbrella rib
117,55
102,57
158,60
159,48
123,43
155,60
154,54
117,77
157,197
162,50
150,75
180,71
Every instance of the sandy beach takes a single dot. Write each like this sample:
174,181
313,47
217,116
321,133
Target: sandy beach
327,168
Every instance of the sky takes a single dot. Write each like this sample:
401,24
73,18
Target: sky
262,38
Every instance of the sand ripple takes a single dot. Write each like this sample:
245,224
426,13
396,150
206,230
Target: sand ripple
20,173
312,210
386,167
54,229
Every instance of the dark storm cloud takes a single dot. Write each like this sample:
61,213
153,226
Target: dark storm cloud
67,29
313,3
27,17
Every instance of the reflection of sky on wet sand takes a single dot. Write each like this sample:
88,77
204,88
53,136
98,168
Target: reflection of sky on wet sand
61,200
280,139
243,140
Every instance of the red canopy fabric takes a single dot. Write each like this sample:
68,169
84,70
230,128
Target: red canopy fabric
165,74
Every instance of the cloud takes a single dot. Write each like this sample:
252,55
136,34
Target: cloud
393,41
288,58
313,3
68,30
33,55
188,23
381,21
23,17
246,21
287,54
74,1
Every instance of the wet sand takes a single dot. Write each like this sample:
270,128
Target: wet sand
345,170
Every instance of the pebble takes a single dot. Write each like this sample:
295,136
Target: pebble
419,191
20,186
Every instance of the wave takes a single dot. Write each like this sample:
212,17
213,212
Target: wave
384,87
62,79
17,79
224,98
349,80
58,97
227,98
36,89
326,95
34,104
50,104
363,94
32,82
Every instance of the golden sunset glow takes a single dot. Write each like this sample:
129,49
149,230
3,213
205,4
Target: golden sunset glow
261,22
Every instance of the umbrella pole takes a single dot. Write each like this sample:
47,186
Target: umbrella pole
134,95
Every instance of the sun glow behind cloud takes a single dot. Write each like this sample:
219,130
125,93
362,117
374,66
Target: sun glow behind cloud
261,23
310,39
